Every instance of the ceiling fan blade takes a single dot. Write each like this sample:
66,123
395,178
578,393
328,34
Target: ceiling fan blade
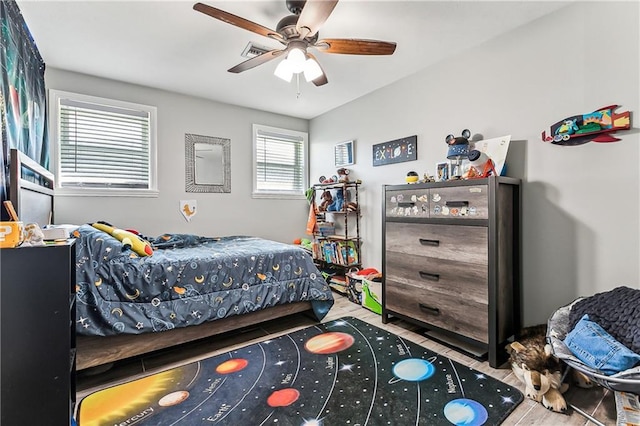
322,80
258,60
353,46
232,19
313,15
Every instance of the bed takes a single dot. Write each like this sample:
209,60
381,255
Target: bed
188,281
191,287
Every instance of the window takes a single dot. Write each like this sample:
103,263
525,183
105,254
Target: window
104,147
280,159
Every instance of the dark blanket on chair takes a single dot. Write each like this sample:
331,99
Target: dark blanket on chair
617,311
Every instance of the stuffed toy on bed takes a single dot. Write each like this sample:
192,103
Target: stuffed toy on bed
129,239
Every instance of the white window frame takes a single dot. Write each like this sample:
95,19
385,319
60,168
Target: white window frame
55,96
305,175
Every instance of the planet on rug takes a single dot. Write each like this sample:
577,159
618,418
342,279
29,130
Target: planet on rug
340,372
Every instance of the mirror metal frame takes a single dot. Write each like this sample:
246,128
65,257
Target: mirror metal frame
190,163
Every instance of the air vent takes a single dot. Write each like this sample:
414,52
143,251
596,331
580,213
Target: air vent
252,50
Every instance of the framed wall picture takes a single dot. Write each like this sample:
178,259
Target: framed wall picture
344,154
396,151
442,172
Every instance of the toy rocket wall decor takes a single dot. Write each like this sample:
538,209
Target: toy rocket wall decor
595,126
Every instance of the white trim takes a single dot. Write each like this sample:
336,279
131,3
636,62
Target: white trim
278,131
54,127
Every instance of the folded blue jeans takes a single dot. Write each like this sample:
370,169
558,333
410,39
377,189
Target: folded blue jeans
596,348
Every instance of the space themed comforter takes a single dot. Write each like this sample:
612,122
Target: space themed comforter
187,281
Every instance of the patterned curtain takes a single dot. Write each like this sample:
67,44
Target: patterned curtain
23,108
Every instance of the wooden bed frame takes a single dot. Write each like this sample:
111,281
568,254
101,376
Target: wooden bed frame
33,197
95,350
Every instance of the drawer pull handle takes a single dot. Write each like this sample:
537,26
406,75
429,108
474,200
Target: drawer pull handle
425,242
429,309
428,276
457,204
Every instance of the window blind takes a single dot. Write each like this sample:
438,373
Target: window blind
280,163
103,146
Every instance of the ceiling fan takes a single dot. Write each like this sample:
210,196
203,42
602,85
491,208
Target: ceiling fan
298,32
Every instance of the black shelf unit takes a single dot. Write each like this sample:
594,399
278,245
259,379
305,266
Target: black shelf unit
37,335
347,229
339,252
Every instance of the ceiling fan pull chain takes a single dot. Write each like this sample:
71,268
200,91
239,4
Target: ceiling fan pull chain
298,86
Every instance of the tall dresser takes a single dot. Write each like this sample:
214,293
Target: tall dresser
451,261
37,335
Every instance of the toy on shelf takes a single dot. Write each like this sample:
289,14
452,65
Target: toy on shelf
327,180
327,200
427,178
343,175
481,165
412,177
596,126
458,150
337,203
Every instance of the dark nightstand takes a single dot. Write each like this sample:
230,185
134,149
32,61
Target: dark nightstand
37,335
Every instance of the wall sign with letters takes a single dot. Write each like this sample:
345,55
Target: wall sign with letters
396,151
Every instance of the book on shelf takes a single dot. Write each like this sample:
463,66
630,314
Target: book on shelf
339,252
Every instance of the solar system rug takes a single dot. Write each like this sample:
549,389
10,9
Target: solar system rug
344,372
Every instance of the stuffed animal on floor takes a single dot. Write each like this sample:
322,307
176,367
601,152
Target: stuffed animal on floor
533,364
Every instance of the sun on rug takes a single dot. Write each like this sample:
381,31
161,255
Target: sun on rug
344,372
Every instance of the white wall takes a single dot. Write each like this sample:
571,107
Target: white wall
581,203
234,213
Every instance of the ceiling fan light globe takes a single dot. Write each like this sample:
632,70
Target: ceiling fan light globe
312,70
297,59
284,71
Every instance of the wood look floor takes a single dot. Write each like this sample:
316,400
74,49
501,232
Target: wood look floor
596,402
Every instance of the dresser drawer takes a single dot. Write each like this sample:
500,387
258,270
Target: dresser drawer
467,244
452,312
407,202
448,294
439,276
461,202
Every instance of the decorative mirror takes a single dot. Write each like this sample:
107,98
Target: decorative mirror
343,154
207,163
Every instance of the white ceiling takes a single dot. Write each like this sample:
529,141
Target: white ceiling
168,45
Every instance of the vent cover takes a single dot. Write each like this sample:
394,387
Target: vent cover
252,50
